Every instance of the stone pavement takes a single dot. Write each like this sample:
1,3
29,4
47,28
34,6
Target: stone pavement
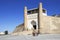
30,37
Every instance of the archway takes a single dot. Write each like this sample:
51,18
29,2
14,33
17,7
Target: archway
33,24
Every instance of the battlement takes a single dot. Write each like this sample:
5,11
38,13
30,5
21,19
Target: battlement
35,10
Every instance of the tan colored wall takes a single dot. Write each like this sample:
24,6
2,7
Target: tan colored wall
55,28
49,24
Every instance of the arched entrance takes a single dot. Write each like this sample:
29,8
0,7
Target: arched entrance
35,27
33,24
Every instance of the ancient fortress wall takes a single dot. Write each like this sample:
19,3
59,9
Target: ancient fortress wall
49,24
55,22
46,24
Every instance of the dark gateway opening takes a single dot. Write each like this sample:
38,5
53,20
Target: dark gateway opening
34,26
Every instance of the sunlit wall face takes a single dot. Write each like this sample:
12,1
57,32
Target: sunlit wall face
32,15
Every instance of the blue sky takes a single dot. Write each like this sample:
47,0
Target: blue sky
12,11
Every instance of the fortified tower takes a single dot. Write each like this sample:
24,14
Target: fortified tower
32,18
25,18
37,19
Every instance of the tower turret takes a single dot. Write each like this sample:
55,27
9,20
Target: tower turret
39,17
25,18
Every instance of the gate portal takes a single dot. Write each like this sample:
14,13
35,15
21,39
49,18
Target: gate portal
33,24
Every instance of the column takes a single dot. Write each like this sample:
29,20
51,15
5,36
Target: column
39,17
25,18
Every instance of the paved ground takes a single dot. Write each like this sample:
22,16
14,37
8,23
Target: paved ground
30,37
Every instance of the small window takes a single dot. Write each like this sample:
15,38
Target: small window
44,11
29,12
